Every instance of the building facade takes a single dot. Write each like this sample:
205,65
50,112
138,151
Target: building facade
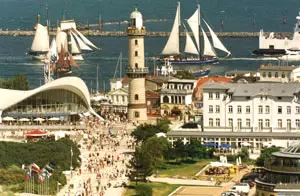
273,73
176,95
136,71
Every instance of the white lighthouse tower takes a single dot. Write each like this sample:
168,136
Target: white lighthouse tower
136,71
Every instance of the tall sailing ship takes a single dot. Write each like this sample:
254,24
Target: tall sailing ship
67,32
171,50
40,43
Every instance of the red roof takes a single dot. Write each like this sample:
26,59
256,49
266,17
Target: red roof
202,81
36,133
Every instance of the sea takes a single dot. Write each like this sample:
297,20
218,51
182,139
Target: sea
236,16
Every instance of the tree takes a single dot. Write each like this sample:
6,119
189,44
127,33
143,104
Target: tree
143,190
244,153
184,75
196,150
144,131
18,82
163,124
266,154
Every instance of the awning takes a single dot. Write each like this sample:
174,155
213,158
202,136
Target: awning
35,133
8,118
23,120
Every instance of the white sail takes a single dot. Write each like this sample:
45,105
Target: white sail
81,44
41,39
194,23
190,46
61,40
172,46
74,47
208,49
53,48
216,41
85,40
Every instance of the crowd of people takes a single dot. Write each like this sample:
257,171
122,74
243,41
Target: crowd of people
105,155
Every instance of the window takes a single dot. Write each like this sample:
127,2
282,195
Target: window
136,97
211,122
230,109
211,109
239,124
297,109
288,109
136,53
166,99
248,109
248,98
217,122
260,124
279,123
267,109
210,95
247,122
137,114
283,75
267,123
270,74
279,98
298,123
230,122
276,74
288,124
136,65
264,74
260,109
239,109
217,95
279,110
217,109
136,42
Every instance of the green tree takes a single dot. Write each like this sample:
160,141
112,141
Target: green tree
266,154
244,153
18,82
179,150
163,124
143,190
184,75
144,131
196,150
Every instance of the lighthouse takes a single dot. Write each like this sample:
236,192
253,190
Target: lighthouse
136,70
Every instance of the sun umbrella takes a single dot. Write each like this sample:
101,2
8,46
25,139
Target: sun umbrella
53,119
39,119
8,118
23,120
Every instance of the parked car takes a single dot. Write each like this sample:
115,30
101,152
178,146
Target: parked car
241,188
229,193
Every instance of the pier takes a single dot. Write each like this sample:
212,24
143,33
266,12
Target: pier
148,34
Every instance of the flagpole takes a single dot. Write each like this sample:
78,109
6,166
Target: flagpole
71,161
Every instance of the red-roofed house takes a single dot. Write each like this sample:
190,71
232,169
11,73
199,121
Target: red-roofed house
198,91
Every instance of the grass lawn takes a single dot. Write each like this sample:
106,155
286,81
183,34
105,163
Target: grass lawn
159,189
183,169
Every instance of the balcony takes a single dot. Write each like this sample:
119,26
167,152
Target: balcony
136,31
282,169
176,91
141,70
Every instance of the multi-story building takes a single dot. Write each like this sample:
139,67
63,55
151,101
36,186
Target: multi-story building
176,95
273,73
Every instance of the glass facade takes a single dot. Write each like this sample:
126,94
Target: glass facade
51,102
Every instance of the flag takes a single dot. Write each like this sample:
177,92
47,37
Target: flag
27,174
35,168
49,169
41,177
47,173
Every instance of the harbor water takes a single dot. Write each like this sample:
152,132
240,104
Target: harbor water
245,15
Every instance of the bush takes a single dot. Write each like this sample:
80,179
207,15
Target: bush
143,190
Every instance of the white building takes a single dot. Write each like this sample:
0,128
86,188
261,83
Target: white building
176,93
273,73
255,112
119,100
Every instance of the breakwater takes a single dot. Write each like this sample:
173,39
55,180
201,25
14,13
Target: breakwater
149,33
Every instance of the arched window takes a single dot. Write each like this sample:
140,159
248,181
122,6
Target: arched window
136,97
136,42
136,65
166,99
136,53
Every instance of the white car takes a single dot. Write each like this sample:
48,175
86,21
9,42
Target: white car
241,188
229,193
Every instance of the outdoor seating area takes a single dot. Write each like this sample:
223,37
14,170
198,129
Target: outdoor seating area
8,120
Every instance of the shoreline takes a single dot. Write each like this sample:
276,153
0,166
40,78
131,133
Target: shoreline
96,33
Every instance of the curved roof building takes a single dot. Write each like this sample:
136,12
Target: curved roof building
282,173
62,97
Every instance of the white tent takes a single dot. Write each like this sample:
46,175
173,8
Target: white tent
245,144
54,119
39,119
8,118
24,120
